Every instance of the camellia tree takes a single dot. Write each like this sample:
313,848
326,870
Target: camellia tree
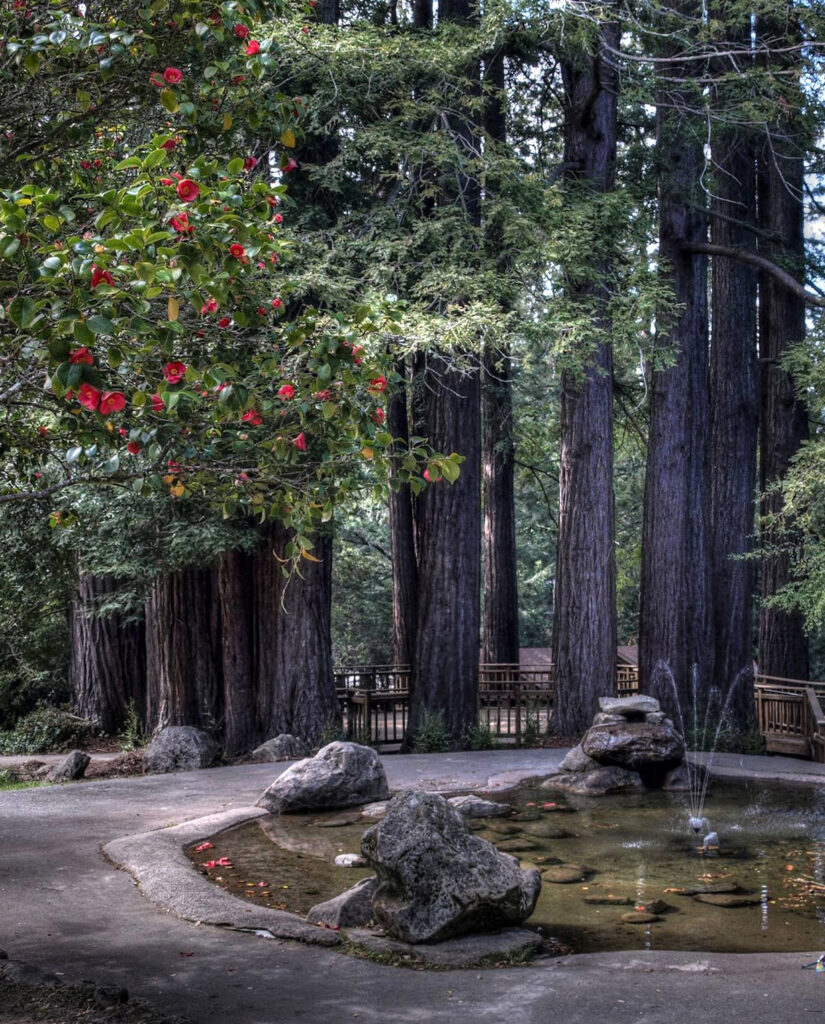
147,335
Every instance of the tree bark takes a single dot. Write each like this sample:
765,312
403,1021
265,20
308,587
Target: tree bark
500,625
294,650
402,540
734,403
584,619
675,620
236,594
448,528
183,652
783,645
107,669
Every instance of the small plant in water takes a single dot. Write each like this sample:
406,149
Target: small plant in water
431,737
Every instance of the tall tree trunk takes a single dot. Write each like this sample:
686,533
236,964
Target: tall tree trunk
236,594
783,645
584,619
402,540
107,669
294,652
734,403
675,620
445,667
499,635
183,651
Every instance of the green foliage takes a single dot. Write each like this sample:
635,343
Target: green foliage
132,736
480,737
8,780
44,730
432,736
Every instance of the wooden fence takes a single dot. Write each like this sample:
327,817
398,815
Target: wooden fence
789,712
515,702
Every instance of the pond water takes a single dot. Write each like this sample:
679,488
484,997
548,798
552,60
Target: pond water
601,859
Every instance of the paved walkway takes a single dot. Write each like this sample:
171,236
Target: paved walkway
64,908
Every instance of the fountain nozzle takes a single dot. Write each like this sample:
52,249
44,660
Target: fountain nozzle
699,824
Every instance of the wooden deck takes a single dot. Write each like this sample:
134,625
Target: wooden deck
789,712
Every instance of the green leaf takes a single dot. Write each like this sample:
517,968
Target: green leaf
23,312
9,246
82,334
155,158
101,325
169,100
73,454
112,464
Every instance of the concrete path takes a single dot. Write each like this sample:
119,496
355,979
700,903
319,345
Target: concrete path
64,908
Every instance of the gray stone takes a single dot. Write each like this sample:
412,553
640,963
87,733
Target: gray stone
350,909
474,807
576,760
628,706
544,830
635,746
654,906
504,829
564,874
350,860
599,782
284,747
654,717
707,887
376,810
677,780
467,951
436,879
639,917
609,901
602,719
181,748
340,775
72,767
518,844
727,899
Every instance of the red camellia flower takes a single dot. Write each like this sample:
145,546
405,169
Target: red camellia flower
253,48
86,165
260,311
378,416
88,397
272,200
290,165
252,417
323,396
286,391
101,277
169,145
300,442
188,190
157,402
156,79
224,321
210,306
133,447
172,76
241,31
174,372
43,431
250,163
81,355
278,218
180,222
111,401
377,384
277,303
237,250
430,479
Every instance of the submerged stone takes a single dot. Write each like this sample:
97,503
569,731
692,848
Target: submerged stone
609,901
639,917
725,899
475,807
598,782
564,874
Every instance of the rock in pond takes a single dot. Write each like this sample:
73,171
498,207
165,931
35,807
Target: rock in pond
639,917
475,807
72,767
598,782
608,900
340,775
181,748
350,860
727,899
349,910
436,879
628,707
576,760
635,746
284,747
564,874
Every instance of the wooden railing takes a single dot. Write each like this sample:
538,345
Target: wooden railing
789,712
515,702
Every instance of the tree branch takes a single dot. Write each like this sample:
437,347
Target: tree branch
762,262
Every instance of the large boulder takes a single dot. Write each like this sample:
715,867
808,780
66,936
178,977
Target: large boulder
436,879
284,747
72,767
340,775
597,782
181,748
575,760
651,750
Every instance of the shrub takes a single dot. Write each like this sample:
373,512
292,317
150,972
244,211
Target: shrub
431,736
46,729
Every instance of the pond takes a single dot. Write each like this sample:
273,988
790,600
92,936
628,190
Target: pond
601,859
